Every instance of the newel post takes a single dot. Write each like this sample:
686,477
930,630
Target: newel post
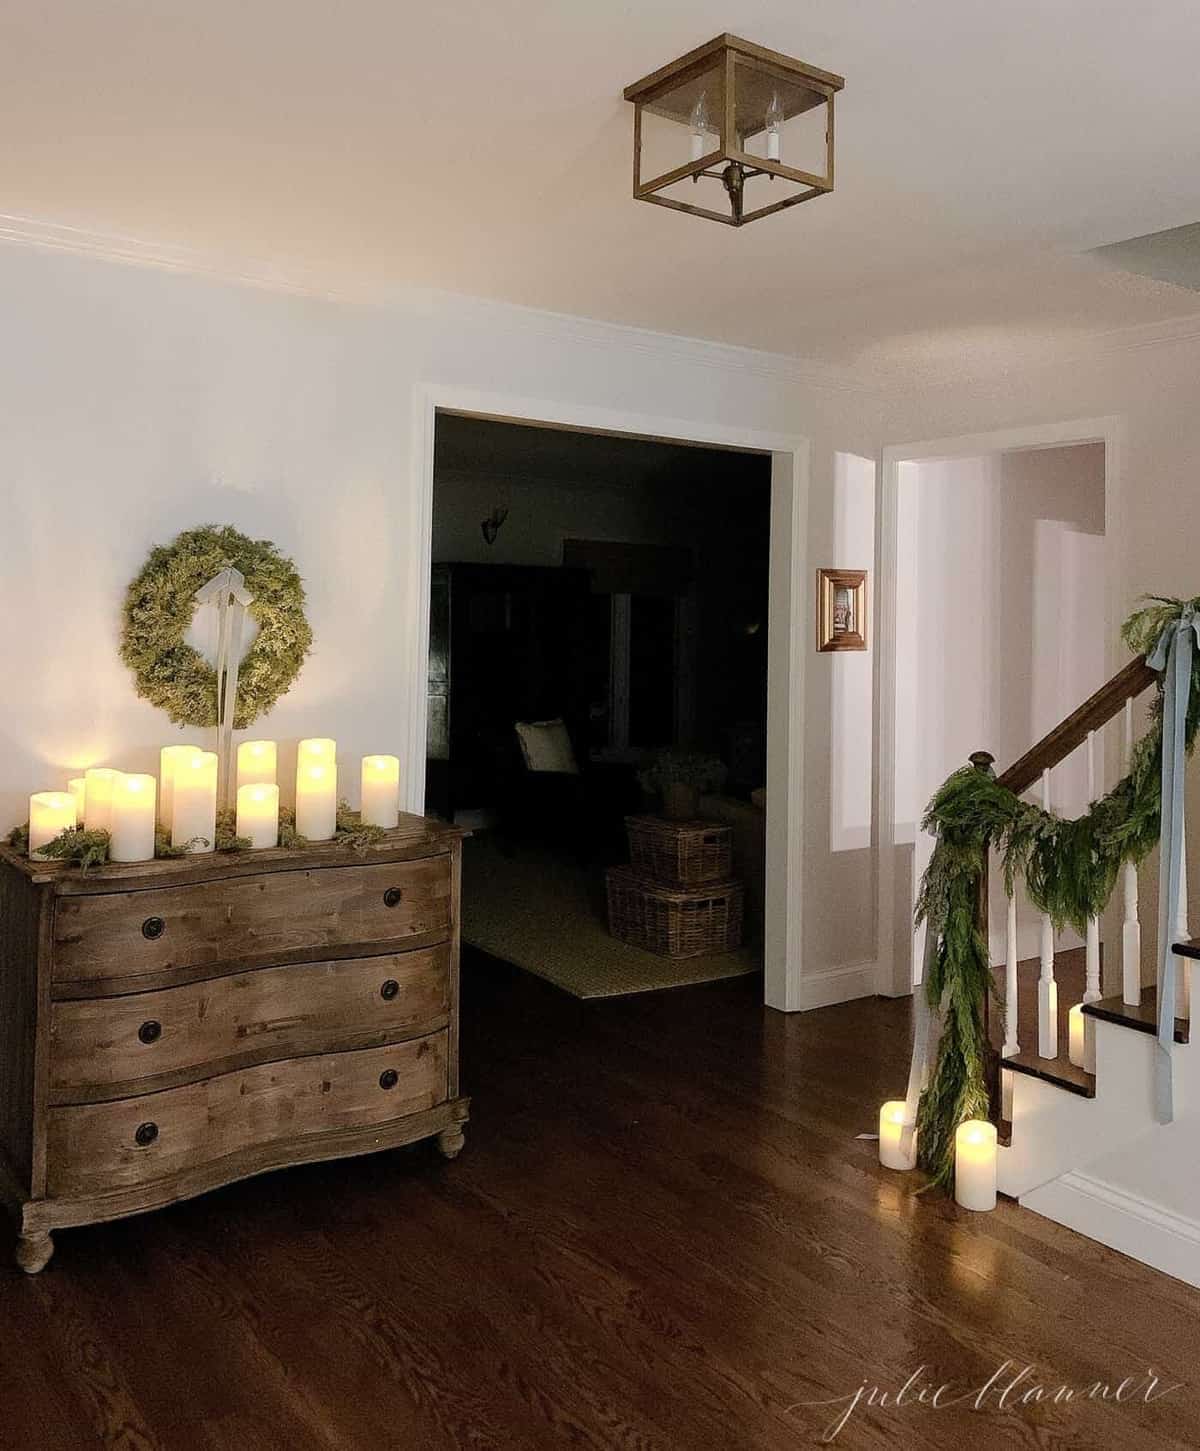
984,761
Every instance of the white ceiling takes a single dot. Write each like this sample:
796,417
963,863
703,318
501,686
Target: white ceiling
484,148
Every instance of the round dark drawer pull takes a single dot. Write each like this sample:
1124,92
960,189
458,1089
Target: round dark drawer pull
150,1031
153,927
389,990
389,1078
146,1134
392,897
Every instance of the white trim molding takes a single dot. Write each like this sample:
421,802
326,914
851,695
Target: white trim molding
1135,1226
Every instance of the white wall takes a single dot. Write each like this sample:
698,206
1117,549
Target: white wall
135,402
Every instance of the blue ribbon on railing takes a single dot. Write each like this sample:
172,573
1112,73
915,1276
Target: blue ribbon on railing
1172,658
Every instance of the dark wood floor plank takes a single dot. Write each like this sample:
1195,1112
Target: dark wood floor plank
662,1236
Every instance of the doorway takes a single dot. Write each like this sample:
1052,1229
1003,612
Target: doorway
788,627
998,575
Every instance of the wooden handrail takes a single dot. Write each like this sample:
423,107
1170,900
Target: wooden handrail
1095,712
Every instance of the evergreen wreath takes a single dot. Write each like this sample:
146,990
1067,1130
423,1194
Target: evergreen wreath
1070,869
159,606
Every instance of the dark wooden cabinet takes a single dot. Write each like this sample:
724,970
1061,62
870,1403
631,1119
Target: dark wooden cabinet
170,1026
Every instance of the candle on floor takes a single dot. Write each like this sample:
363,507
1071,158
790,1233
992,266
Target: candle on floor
891,1130
316,800
317,751
77,786
381,791
194,807
98,793
132,819
258,813
50,814
1077,1036
167,759
256,763
975,1164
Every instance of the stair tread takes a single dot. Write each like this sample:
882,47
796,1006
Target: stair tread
1141,1017
1190,947
1059,1071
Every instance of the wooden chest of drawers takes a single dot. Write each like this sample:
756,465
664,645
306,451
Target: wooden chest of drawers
170,1026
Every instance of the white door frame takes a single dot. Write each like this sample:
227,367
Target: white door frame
894,976
789,625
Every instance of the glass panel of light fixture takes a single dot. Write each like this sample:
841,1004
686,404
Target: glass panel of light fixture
779,118
707,192
683,123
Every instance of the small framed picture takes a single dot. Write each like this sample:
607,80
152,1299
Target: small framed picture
841,609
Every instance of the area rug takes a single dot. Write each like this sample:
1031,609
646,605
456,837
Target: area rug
547,915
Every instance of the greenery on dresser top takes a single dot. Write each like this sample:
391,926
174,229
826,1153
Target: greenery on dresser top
159,606
86,849
1069,866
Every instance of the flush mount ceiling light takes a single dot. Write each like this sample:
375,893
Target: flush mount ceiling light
711,132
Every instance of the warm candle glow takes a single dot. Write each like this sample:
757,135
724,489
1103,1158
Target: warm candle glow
381,791
319,750
50,814
167,758
975,1153
891,1129
258,814
316,799
77,786
98,792
1077,1036
194,809
132,819
256,763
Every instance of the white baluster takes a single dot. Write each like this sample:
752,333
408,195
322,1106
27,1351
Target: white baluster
1011,1046
1183,965
1047,987
1131,932
1092,992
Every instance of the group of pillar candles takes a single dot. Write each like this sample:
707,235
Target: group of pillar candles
975,1153
184,799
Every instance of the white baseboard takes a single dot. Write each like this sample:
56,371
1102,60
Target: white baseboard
837,985
1144,1231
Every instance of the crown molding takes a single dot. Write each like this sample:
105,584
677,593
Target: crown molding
290,277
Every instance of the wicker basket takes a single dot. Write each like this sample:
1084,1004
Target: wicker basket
671,922
680,853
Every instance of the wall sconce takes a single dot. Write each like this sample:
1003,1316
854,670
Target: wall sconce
490,526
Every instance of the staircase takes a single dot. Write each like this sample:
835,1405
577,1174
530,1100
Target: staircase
1081,1142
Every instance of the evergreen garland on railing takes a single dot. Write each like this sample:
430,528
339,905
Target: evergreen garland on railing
1069,867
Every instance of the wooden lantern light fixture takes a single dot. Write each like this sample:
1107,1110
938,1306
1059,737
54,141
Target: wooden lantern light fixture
731,131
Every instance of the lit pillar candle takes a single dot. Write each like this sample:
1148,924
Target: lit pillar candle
891,1129
77,786
316,800
132,819
381,791
975,1164
256,764
194,807
98,794
319,751
258,813
50,814
167,759
1077,1039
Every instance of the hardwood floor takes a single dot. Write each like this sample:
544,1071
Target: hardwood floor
661,1236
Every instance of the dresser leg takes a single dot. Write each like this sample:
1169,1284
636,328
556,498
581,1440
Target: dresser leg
451,1140
34,1251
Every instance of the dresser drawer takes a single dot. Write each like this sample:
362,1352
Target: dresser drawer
99,1045
93,1148
121,937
